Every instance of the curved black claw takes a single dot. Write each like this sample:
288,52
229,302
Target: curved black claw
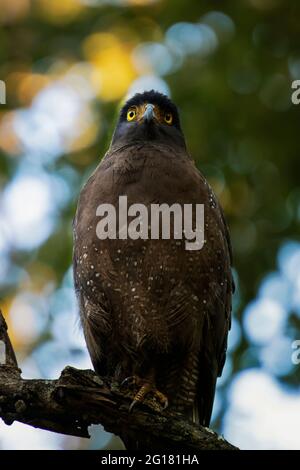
132,405
166,404
129,381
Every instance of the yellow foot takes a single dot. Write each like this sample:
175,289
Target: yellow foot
146,389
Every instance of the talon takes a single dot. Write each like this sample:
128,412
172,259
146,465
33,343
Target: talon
163,400
146,389
140,395
133,405
128,381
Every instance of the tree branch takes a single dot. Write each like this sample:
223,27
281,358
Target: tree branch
80,398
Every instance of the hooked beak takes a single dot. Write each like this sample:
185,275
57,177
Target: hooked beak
149,113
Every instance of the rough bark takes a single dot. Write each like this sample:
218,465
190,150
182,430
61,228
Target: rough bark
79,398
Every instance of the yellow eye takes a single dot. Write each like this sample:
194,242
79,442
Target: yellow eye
131,115
168,118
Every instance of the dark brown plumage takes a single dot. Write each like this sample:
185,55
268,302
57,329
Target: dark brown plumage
150,308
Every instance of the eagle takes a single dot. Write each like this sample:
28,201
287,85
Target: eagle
154,313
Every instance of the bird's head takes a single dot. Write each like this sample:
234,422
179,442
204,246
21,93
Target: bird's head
149,116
